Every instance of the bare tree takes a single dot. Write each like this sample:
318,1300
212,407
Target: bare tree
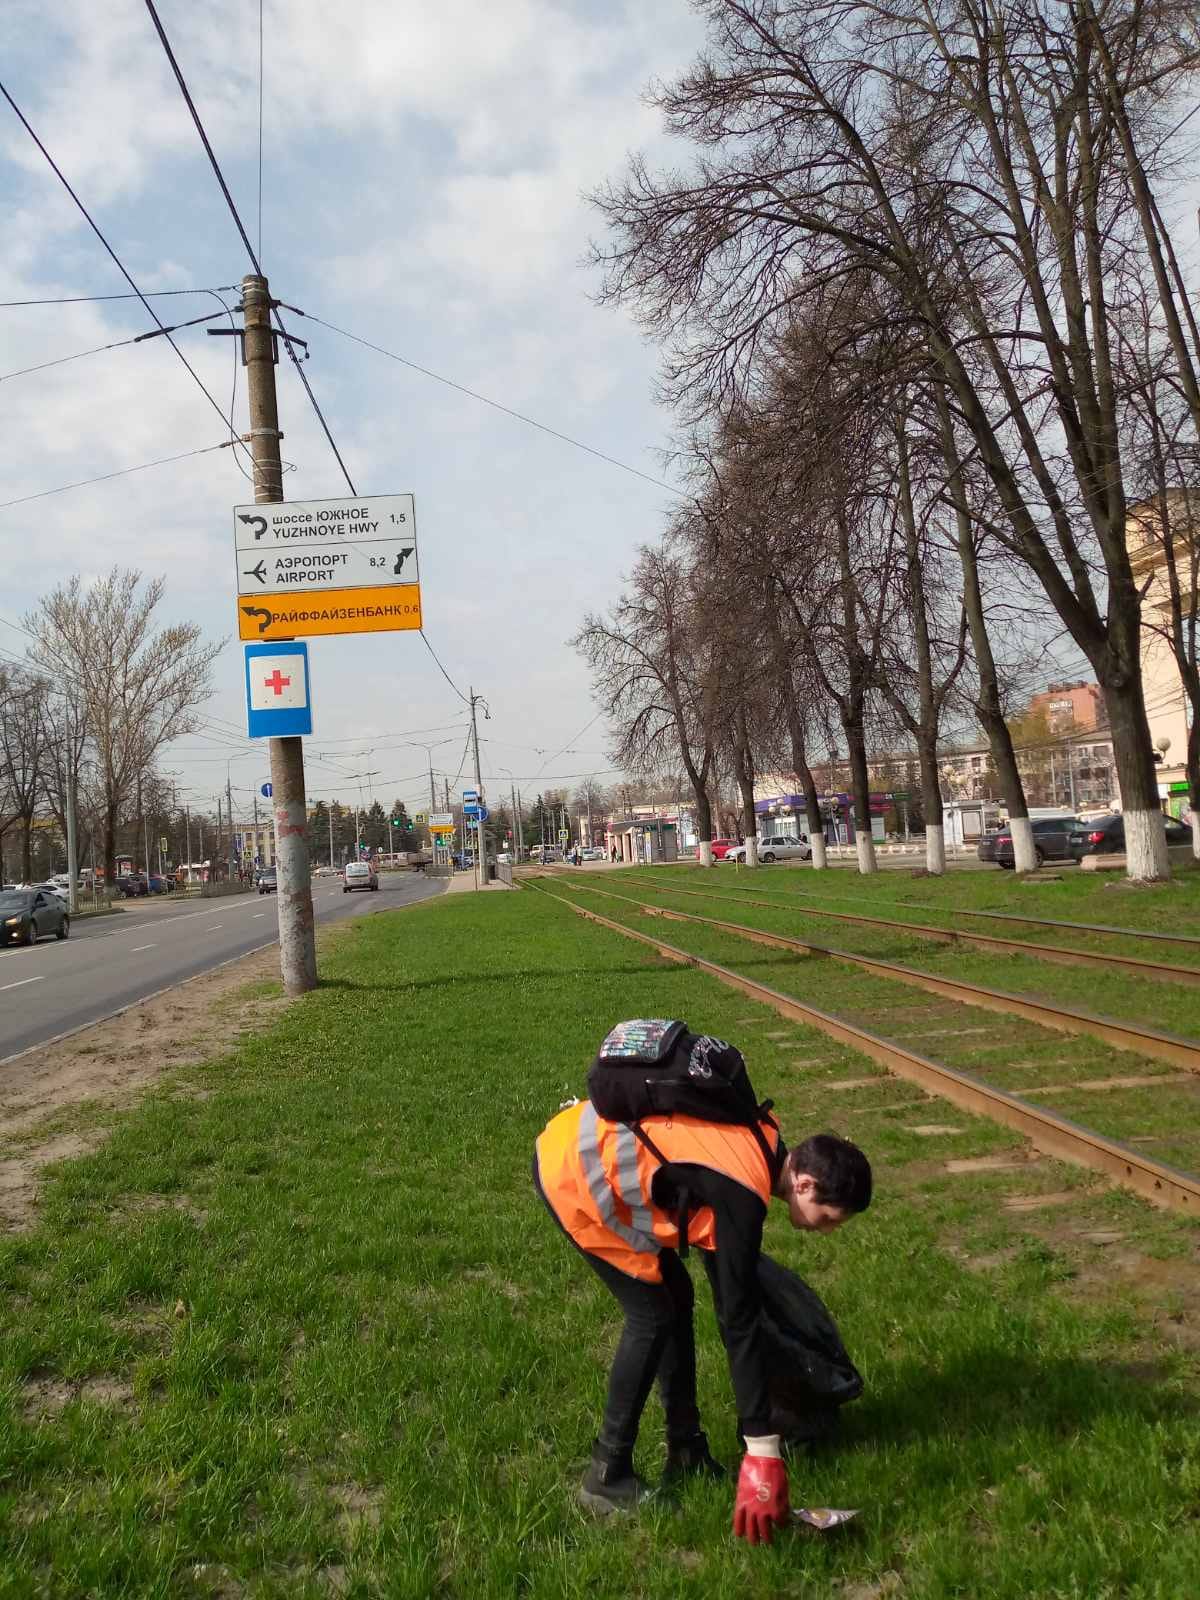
975,162
139,686
23,753
651,667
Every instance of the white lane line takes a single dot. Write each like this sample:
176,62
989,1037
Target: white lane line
256,915
20,981
214,927
138,947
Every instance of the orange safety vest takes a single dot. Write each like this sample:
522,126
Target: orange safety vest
597,1177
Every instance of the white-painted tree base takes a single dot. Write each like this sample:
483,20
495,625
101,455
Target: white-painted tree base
1196,832
1146,846
751,852
865,846
819,858
1024,853
935,848
706,855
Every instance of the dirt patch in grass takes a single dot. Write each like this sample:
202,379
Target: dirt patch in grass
114,1062
45,1396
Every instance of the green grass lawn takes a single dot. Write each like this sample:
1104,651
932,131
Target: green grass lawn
301,1328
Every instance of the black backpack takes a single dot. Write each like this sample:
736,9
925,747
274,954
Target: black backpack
651,1067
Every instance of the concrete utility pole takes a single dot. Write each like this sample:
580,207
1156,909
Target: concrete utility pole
72,847
480,866
216,854
297,939
229,814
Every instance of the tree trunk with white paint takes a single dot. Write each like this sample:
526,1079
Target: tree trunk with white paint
820,859
1146,859
865,846
706,855
935,848
1024,849
751,850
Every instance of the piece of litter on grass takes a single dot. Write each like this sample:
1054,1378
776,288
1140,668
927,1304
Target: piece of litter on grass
821,1517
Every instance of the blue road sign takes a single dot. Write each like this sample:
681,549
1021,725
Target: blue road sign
476,814
266,791
277,697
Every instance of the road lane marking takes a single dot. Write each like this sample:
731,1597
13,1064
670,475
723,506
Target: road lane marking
258,914
20,981
138,947
214,927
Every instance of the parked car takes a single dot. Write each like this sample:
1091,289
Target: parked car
774,847
1106,835
325,872
132,886
593,852
986,848
1050,842
360,875
268,881
61,890
28,914
722,847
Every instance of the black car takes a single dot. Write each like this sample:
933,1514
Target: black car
986,848
268,881
1106,836
1051,836
27,914
132,885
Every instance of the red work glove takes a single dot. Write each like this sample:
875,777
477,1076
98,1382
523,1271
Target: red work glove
762,1492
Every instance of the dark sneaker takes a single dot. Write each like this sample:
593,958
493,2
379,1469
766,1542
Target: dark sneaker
610,1486
691,1458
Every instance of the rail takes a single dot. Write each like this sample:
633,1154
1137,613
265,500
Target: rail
1164,1185
1133,1036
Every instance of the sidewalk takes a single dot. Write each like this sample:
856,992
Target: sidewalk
464,883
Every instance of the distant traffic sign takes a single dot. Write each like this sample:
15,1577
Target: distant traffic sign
277,699
470,797
442,819
266,791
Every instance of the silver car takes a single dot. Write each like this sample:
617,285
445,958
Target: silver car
774,847
359,875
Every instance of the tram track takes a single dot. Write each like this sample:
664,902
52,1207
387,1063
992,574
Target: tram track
1150,1042
1137,966
1051,1133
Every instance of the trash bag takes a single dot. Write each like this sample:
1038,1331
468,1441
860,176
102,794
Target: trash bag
810,1371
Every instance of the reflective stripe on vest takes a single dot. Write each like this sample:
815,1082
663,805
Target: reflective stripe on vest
598,1177
629,1187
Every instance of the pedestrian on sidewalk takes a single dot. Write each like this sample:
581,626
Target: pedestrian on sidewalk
632,1197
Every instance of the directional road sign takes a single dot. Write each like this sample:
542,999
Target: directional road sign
277,699
442,819
327,567
470,797
266,791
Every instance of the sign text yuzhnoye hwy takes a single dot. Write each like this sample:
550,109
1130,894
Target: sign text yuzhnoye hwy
326,545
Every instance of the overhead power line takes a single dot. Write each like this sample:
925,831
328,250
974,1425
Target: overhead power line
486,400
86,299
122,472
254,262
117,262
98,350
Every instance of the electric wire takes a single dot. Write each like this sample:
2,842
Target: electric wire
233,211
122,472
86,299
118,263
260,123
567,747
97,350
486,400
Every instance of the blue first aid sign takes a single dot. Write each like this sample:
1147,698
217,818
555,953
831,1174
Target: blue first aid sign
277,698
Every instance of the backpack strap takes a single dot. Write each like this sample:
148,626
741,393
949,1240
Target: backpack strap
773,1158
684,1206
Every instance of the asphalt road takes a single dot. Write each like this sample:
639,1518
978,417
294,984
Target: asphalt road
109,962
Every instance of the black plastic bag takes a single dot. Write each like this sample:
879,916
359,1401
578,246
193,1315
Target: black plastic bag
810,1373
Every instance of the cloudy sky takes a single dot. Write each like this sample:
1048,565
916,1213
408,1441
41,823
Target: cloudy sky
423,168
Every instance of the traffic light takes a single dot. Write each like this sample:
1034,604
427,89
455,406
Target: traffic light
397,822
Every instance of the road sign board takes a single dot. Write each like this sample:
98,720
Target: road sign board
441,819
266,791
470,797
288,616
309,567
562,836
440,830
277,697
481,814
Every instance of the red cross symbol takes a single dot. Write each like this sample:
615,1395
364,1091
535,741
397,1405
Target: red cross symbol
276,682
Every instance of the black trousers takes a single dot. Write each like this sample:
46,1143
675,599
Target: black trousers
658,1340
